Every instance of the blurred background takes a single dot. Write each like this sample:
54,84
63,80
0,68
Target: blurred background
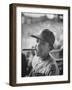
35,23
32,24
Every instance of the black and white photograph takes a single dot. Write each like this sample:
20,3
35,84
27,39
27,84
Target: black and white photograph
40,53
41,44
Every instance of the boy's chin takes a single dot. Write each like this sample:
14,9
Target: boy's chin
38,54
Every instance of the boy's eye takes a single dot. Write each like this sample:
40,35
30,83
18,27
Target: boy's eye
37,40
40,41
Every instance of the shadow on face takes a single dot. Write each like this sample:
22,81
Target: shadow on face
42,48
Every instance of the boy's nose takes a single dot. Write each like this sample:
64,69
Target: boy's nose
37,46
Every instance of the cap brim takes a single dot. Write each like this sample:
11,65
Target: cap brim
37,37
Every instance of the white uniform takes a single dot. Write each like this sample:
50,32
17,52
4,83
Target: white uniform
44,67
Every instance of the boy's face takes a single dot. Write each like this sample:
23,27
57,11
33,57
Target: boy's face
42,48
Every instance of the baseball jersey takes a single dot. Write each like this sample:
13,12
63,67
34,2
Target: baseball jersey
45,67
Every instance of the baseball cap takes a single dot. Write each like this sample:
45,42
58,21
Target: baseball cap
46,35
